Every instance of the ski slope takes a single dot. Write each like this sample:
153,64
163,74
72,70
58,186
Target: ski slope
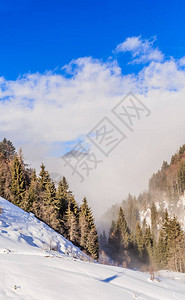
30,270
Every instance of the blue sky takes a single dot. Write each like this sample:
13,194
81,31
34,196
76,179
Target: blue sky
108,48
44,35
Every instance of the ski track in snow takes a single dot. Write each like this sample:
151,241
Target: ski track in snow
31,271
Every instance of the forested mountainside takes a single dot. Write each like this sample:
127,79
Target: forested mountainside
54,205
152,223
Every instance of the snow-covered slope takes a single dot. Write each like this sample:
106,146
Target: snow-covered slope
25,230
30,271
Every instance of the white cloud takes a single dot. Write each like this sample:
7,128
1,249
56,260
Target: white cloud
182,61
142,51
40,110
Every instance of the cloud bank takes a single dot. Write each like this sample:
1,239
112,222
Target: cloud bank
47,113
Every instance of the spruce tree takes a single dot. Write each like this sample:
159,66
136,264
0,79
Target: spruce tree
31,198
88,233
83,223
171,245
63,196
66,197
44,178
50,209
17,182
92,242
120,239
71,225
176,246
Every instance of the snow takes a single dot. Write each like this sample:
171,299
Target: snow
31,271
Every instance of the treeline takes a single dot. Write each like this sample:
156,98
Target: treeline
166,190
56,206
143,248
170,179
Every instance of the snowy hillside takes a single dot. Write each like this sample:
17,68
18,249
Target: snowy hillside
31,270
24,229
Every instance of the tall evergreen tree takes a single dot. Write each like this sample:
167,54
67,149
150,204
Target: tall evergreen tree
17,182
44,178
120,239
88,232
71,225
83,223
31,198
50,209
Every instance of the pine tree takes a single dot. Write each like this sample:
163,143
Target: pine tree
88,233
44,178
65,197
148,242
5,177
83,223
71,225
31,198
50,208
162,247
176,246
92,243
171,245
17,182
120,239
